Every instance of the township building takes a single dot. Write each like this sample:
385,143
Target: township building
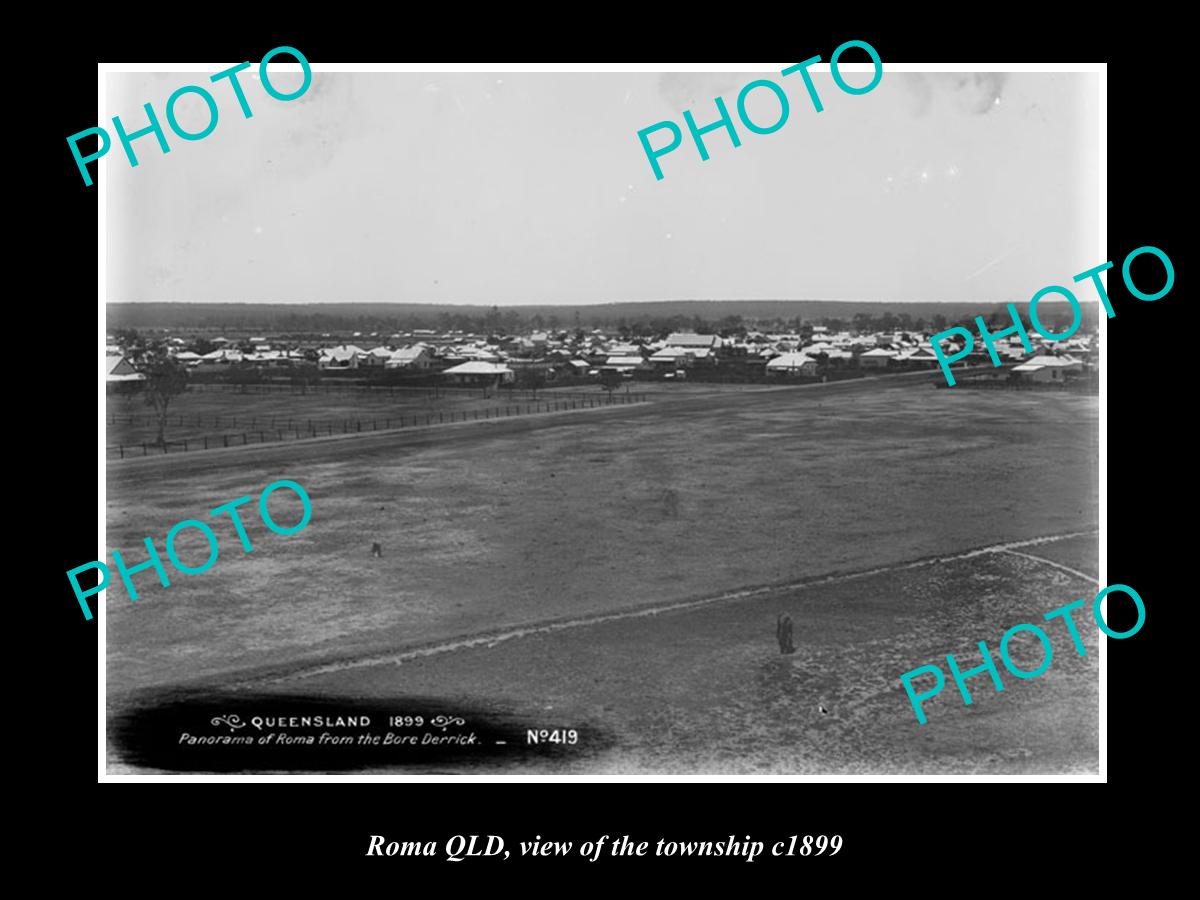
692,341
120,376
417,357
344,356
479,374
794,363
1044,369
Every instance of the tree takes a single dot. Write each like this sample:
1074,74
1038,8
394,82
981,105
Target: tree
165,378
610,380
531,378
491,322
731,325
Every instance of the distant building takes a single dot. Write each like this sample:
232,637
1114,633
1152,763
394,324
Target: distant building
673,357
217,360
479,373
624,363
690,340
792,364
1047,369
375,358
118,368
877,358
921,357
344,356
417,357
120,375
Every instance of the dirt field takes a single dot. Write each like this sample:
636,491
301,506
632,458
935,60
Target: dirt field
705,689
507,524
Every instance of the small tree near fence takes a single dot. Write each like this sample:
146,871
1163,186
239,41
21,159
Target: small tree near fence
166,379
531,379
610,380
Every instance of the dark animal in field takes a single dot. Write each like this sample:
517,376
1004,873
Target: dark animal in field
377,549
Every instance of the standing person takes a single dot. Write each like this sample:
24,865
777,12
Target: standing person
783,633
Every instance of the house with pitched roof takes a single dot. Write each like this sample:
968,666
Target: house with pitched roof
792,364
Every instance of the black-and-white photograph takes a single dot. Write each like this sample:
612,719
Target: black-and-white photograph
527,422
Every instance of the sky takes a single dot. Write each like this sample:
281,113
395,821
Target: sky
533,188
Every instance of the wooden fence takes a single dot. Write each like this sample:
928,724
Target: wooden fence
548,391
281,429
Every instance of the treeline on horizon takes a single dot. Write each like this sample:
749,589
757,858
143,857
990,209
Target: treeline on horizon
634,318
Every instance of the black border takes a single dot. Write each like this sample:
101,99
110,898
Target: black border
1146,438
